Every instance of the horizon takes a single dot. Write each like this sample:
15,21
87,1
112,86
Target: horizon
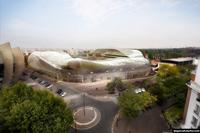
138,24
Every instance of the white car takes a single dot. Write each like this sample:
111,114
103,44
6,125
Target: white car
139,90
49,86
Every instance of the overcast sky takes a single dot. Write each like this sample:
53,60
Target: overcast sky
100,23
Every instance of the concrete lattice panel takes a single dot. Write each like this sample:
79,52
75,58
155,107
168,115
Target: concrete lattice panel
19,63
7,56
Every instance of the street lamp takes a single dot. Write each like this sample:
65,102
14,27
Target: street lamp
84,104
91,76
75,127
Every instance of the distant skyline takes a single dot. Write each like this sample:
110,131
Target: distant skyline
100,23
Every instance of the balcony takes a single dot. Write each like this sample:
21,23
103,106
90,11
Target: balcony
196,112
193,85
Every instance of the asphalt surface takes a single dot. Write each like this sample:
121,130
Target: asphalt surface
107,110
150,121
66,89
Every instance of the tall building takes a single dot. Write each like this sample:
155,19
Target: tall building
11,63
191,115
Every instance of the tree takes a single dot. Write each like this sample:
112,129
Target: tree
131,103
116,83
110,87
147,100
158,90
171,83
23,109
128,103
167,71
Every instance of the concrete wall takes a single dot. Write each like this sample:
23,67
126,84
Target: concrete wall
19,63
6,53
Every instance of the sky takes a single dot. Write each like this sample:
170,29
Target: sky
100,23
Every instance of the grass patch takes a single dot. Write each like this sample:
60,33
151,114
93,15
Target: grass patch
173,114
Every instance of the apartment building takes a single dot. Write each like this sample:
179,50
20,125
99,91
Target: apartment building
191,115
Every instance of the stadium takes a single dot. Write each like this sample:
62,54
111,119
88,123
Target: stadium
91,65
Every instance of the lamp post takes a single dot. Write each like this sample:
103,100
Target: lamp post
91,73
84,104
75,127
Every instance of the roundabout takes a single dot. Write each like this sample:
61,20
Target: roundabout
86,117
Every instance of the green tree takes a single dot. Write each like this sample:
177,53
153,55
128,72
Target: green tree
147,99
131,103
110,88
116,83
158,90
167,71
119,85
171,83
23,109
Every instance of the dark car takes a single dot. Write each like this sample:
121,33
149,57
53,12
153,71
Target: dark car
60,92
39,80
33,77
47,84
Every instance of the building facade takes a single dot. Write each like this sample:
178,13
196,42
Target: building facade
191,115
11,63
102,64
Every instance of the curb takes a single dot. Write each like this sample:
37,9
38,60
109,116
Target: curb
114,121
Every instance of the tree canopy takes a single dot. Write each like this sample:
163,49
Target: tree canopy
171,53
171,83
24,109
131,104
116,84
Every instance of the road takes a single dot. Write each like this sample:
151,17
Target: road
107,110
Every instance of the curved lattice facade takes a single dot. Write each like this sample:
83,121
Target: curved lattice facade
100,65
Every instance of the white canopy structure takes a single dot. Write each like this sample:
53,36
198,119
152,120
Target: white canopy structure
111,59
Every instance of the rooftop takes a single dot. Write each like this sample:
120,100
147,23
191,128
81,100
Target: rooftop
182,59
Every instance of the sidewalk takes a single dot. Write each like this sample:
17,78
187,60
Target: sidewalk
150,121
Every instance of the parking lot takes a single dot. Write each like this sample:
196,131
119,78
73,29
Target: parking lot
37,81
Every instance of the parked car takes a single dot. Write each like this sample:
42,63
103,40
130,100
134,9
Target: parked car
139,90
43,82
47,84
34,77
60,92
39,80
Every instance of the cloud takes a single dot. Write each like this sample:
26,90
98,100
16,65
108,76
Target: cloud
97,11
171,2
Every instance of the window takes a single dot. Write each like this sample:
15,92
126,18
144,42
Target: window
198,127
197,110
194,121
198,97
